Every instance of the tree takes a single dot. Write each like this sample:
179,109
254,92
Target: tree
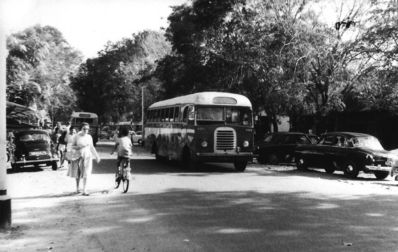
276,52
109,84
378,48
252,47
184,71
39,64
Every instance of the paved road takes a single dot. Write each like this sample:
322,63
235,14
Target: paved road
266,208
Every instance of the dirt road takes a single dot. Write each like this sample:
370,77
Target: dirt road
266,208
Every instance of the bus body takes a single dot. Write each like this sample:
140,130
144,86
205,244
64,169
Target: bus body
201,127
78,118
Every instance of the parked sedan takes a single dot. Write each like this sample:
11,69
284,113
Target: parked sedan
136,137
33,147
346,151
279,147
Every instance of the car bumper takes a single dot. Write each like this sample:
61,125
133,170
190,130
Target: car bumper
377,168
223,157
38,161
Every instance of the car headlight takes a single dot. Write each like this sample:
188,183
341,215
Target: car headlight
389,162
245,143
204,144
370,158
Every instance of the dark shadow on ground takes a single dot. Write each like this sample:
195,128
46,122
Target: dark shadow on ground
27,169
151,166
187,220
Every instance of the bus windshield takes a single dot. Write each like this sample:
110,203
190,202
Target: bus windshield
90,121
229,115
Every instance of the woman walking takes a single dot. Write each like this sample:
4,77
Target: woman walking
81,168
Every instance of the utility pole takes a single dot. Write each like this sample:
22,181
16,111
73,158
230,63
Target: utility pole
142,110
5,201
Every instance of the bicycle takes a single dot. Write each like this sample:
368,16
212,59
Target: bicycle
123,174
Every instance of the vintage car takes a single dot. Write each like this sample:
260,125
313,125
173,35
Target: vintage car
279,147
348,152
33,147
136,137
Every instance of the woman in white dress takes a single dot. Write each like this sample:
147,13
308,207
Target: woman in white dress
69,141
81,168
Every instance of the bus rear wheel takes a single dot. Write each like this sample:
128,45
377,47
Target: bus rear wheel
240,164
187,161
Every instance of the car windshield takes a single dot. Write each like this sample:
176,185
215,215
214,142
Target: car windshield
229,115
368,142
32,137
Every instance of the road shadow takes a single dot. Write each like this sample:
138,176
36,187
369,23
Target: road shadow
194,220
26,169
152,166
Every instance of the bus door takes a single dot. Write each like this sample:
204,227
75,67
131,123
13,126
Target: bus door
187,129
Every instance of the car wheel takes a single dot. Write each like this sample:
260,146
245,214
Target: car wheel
14,166
272,159
261,159
351,169
301,163
329,169
240,165
381,174
54,166
158,157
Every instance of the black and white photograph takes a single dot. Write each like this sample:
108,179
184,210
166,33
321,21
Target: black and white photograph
198,125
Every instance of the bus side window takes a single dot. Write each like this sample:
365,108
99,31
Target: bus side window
185,114
163,115
176,110
191,115
167,116
157,115
171,114
148,116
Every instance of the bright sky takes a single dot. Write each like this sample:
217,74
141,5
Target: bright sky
88,24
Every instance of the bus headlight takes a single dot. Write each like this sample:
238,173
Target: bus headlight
245,143
204,144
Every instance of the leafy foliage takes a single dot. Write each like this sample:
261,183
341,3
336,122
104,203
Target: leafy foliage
108,85
282,56
39,64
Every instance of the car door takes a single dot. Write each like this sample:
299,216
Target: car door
341,151
282,146
290,144
323,150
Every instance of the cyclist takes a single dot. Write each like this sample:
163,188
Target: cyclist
124,149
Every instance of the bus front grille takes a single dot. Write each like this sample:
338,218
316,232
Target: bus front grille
225,139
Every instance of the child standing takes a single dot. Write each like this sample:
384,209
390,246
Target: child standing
124,149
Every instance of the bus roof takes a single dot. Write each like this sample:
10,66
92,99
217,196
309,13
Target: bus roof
206,98
84,115
123,123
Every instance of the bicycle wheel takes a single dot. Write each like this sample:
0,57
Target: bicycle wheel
117,180
126,183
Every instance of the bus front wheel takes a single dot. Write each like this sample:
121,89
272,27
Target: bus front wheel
240,164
